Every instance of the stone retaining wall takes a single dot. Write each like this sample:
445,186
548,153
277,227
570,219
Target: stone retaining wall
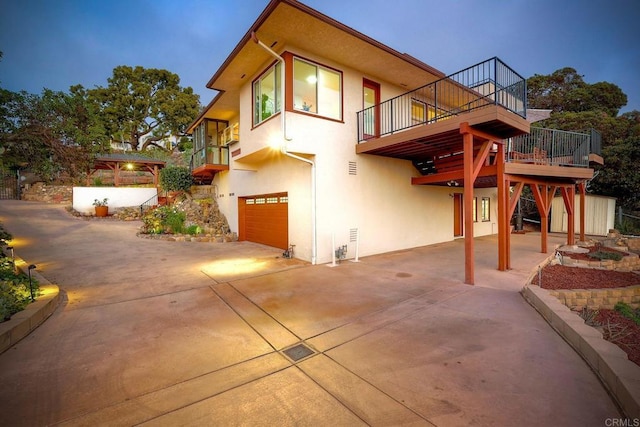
627,263
593,299
39,192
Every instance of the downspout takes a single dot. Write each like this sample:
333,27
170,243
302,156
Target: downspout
283,147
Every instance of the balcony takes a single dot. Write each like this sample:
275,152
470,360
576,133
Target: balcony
425,122
207,162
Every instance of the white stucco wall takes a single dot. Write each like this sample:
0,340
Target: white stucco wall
379,201
118,197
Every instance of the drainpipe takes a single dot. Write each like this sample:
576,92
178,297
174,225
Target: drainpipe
283,147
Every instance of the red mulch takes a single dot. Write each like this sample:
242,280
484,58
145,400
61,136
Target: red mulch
624,332
563,277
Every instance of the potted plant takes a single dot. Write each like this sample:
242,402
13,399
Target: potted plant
101,207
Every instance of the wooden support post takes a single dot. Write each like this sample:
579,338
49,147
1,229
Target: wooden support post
541,194
116,174
582,189
509,215
568,195
503,209
469,261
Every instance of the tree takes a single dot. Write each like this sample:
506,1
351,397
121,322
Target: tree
565,90
620,178
579,106
144,106
50,133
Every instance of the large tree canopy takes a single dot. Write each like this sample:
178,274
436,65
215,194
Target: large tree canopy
579,106
566,90
144,106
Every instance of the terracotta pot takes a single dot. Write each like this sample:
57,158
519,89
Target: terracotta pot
102,210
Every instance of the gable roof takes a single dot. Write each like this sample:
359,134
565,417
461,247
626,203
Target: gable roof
289,24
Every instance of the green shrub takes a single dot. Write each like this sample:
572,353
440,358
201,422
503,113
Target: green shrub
175,221
15,294
176,178
628,312
194,230
164,219
616,256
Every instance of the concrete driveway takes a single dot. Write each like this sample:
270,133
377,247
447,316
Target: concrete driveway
182,333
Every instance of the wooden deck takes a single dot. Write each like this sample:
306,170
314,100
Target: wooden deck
425,141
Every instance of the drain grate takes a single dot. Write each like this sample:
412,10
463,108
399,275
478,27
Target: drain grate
297,352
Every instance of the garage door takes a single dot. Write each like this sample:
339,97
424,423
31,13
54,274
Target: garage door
264,219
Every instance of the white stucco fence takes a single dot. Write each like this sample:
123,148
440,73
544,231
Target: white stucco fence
117,197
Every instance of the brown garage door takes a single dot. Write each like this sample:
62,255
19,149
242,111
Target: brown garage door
264,219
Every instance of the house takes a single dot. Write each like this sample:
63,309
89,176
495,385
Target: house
321,137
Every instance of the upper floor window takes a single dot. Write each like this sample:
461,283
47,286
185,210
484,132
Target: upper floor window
317,89
267,94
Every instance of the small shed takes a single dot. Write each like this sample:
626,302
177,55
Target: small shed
125,162
599,215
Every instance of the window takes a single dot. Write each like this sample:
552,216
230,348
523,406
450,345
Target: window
484,207
418,112
266,93
475,209
421,112
317,89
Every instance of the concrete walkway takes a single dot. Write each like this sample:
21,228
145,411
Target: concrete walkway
181,333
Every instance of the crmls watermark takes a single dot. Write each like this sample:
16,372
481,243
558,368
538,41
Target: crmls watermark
622,422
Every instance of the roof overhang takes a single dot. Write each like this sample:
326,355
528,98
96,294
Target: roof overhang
291,25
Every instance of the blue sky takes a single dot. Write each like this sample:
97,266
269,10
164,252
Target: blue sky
56,44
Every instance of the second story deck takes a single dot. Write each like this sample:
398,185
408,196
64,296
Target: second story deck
424,126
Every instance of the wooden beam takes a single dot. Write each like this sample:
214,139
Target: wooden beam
455,175
465,128
517,191
541,195
479,161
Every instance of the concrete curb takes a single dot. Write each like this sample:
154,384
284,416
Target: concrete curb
620,376
22,323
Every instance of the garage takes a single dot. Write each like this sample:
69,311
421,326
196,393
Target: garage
264,219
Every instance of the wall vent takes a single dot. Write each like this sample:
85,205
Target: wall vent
353,168
353,235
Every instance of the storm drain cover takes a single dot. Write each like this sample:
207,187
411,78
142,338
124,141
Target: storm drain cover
298,352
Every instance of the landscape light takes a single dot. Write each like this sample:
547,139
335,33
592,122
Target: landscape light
13,258
31,267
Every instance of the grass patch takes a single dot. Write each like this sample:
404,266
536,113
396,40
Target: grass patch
627,311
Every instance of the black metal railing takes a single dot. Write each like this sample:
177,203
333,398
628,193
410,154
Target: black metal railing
488,83
151,203
554,147
212,155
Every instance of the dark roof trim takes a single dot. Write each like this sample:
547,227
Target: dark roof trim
322,17
204,111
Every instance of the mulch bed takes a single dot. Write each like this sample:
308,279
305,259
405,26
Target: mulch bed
623,332
563,277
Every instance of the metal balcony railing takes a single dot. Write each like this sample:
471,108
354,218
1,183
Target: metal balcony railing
488,83
554,147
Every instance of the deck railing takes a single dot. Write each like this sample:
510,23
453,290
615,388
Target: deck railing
554,147
488,83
